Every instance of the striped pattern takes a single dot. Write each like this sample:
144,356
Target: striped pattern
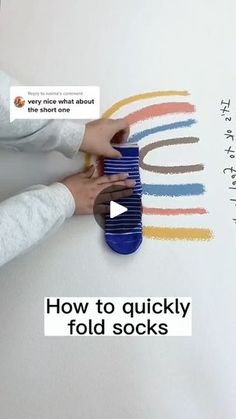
128,224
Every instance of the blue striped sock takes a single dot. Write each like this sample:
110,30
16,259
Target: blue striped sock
123,234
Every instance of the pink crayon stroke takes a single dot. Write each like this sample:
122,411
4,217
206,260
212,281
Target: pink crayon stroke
159,110
174,211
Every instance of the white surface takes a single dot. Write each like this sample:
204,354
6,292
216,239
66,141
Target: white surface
125,47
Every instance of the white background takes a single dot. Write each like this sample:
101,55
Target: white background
124,47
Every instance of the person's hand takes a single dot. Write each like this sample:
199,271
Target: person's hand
99,135
85,189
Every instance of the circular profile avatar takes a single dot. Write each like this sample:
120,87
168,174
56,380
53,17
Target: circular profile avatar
19,102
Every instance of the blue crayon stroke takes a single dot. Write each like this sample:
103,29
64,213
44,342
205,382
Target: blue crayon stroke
173,190
180,124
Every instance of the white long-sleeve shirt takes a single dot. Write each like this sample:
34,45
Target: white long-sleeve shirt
28,217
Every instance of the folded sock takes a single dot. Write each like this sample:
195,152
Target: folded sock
123,233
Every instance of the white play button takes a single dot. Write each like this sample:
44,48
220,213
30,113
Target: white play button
116,209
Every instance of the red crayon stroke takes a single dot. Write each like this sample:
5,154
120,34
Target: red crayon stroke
158,110
174,211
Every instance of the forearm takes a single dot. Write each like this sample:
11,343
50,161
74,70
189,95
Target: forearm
29,217
64,136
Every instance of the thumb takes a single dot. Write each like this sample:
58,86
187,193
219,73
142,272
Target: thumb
112,153
120,124
121,130
88,173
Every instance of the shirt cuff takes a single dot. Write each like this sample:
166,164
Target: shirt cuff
71,137
64,199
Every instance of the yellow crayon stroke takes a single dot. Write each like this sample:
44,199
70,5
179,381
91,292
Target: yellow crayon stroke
148,95
166,233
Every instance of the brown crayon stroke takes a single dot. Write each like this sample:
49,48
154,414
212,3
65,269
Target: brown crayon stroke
169,169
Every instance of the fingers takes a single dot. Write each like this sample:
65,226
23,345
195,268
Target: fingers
120,137
104,195
120,124
88,173
128,183
121,130
102,209
125,134
116,179
112,178
112,152
114,195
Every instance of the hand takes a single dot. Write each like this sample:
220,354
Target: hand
85,189
99,135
